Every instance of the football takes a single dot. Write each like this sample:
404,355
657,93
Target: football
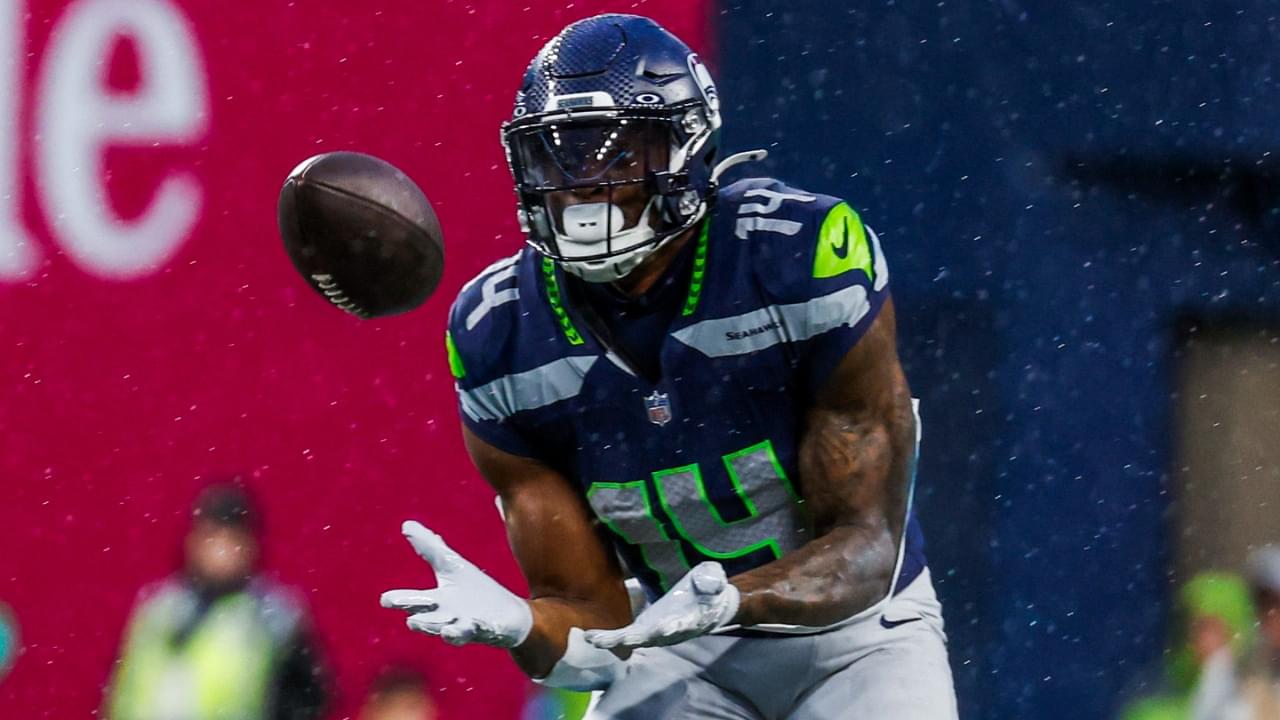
361,233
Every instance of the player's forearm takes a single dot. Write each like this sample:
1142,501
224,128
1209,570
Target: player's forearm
552,618
831,578
856,473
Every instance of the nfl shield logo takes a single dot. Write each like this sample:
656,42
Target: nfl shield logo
659,407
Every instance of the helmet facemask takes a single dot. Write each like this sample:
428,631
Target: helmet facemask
601,189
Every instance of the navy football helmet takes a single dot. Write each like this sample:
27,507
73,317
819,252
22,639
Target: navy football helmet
614,109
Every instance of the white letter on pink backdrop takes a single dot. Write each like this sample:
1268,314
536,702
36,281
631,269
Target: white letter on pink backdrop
78,118
17,253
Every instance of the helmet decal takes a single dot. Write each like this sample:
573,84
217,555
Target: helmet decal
708,87
594,98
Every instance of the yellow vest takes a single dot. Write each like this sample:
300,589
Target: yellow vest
221,672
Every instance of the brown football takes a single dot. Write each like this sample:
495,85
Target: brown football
361,233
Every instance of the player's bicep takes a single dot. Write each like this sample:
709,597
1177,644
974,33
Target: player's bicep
859,435
550,528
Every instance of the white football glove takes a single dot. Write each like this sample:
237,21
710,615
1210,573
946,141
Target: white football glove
700,602
468,606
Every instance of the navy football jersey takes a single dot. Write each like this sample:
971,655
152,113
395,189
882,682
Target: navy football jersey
699,462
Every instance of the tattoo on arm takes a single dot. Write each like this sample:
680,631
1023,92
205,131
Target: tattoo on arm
856,458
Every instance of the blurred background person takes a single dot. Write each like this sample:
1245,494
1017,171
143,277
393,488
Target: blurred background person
399,693
217,639
8,639
1260,682
1211,633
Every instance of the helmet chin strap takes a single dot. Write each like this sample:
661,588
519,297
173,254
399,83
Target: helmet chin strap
587,232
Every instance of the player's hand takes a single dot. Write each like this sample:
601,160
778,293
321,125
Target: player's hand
698,603
468,606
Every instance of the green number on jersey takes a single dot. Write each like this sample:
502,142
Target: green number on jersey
774,520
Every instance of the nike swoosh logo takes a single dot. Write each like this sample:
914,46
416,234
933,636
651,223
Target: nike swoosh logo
841,251
888,624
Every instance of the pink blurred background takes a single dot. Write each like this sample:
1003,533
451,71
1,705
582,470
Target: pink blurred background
122,392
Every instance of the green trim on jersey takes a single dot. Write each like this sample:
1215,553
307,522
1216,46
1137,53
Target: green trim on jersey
840,251
553,296
699,271
765,447
455,360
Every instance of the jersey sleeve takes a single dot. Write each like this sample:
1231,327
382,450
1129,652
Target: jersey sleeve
832,286
475,342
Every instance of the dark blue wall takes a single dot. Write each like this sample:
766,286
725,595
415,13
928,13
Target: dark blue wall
1056,185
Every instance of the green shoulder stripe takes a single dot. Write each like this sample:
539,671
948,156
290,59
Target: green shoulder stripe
842,245
455,360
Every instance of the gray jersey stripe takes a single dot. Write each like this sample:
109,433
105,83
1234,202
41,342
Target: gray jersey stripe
774,324
529,390
881,267
746,225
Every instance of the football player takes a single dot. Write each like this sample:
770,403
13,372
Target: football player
696,382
